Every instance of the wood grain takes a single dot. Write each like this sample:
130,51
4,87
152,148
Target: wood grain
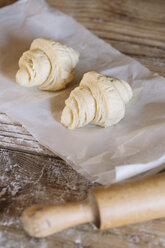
14,136
136,28
27,179
29,173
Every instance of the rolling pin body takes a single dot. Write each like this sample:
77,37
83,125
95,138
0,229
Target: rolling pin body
116,205
130,202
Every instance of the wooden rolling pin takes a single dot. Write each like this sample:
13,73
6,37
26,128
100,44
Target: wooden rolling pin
116,205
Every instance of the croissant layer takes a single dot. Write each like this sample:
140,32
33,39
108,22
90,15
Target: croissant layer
98,100
47,65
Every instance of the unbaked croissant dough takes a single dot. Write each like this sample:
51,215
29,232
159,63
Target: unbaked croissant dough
47,65
99,100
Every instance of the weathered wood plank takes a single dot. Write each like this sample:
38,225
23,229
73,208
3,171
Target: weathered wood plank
14,136
136,28
27,179
131,27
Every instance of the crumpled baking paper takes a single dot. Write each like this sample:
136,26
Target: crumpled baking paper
134,146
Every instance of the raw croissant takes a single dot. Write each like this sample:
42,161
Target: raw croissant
99,100
47,65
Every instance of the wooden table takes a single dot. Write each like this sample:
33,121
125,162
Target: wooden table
31,174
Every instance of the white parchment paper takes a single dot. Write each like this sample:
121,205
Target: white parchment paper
135,145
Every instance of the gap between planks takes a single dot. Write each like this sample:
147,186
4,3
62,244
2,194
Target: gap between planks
14,137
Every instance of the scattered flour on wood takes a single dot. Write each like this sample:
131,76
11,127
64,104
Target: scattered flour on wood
26,180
